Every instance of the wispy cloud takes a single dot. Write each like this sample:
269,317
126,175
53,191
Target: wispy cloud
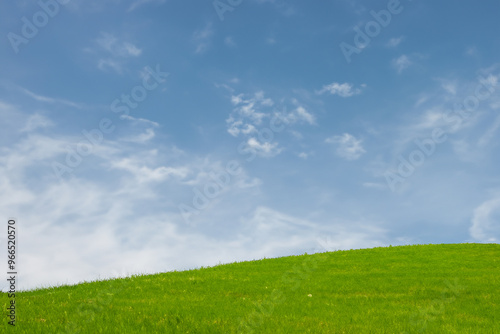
299,114
485,226
238,96
401,63
203,38
394,42
264,149
113,53
450,87
116,48
250,111
266,223
139,170
51,100
373,185
472,51
247,113
258,119
342,90
36,121
490,134
105,64
67,215
147,133
303,155
347,146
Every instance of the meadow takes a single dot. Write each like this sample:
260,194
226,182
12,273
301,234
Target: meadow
446,288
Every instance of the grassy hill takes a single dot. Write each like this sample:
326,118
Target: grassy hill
451,288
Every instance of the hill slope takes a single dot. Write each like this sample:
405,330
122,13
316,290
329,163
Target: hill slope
425,288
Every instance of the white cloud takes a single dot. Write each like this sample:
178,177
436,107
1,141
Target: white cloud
491,80
299,114
113,53
472,51
142,138
465,151
36,121
394,42
237,99
131,50
264,149
124,208
489,135
248,110
342,90
297,135
348,147
442,107
246,115
401,63
275,232
203,38
259,96
139,120
486,222
305,115
450,86
111,44
380,186
303,155
432,118
46,99
237,127
142,173
254,120
104,64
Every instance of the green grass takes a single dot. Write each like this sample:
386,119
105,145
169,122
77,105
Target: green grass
415,289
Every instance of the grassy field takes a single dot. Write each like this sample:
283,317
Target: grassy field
451,288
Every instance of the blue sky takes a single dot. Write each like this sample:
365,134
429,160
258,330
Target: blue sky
153,135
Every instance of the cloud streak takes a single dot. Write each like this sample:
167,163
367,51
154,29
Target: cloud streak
347,146
342,90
